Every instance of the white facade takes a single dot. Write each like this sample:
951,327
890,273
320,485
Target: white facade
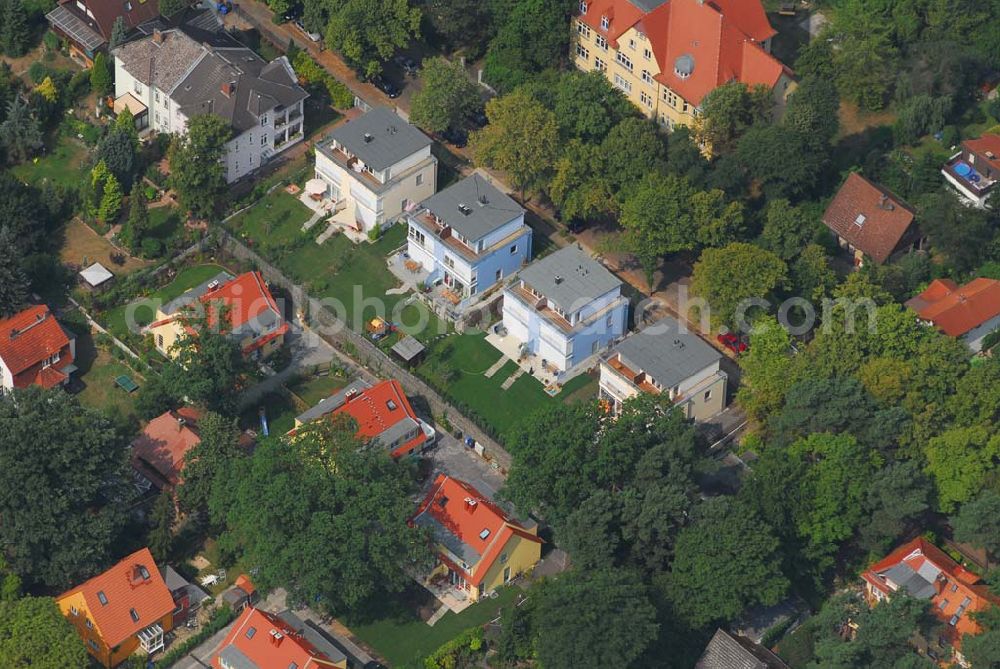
376,198
278,129
6,378
701,395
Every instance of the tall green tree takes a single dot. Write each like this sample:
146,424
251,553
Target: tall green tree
15,31
101,79
725,278
368,32
34,633
137,225
983,649
110,205
812,110
767,369
323,496
207,370
118,151
161,532
119,32
787,229
978,522
459,23
579,186
20,133
205,464
633,149
531,38
447,98
587,106
782,162
521,139
602,617
959,460
63,487
196,169
729,557
728,111
895,505
14,284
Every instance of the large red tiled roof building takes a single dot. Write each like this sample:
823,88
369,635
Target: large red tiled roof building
383,414
158,452
971,311
667,55
276,641
123,610
35,350
925,572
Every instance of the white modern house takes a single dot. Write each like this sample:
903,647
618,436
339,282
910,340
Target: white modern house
661,359
563,310
467,239
375,167
168,77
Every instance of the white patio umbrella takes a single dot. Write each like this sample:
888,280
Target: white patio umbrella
315,187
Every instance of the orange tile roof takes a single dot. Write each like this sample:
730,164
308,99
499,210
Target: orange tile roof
247,298
27,339
957,592
165,441
723,37
132,585
370,407
244,583
955,309
473,519
269,642
869,217
984,146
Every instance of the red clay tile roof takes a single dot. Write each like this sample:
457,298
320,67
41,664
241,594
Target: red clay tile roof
953,585
723,38
29,338
371,409
165,441
106,11
134,584
870,218
244,583
984,146
467,514
246,297
271,644
956,310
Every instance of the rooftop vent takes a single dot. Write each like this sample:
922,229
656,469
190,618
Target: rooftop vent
558,279
228,88
134,614
277,637
368,138
212,285
464,208
885,203
391,405
483,200
991,155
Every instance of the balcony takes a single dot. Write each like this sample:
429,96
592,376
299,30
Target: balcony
961,173
638,379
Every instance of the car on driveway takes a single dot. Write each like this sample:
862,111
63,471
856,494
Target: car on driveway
384,85
315,37
456,137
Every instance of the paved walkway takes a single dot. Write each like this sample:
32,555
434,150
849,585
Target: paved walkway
496,366
512,378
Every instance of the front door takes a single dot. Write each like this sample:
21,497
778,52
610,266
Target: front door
506,574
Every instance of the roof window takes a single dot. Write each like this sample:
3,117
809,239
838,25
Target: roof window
860,220
251,632
134,614
102,598
485,533
391,405
583,7
605,22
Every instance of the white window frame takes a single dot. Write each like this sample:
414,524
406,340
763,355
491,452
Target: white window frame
622,84
600,64
602,42
624,61
582,52
647,77
605,22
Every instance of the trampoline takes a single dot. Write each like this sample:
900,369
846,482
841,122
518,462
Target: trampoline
963,169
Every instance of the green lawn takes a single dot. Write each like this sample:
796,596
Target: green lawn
404,640
312,390
64,164
280,409
98,369
457,364
186,279
273,223
164,222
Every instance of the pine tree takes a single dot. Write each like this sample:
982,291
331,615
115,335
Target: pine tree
15,32
14,285
137,224
111,200
161,536
100,75
20,133
118,33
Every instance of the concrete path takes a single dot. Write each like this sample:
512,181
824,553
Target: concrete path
496,367
330,231
438,615
512,378
319,214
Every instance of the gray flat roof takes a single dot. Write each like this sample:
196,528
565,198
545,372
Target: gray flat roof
390,139
474,207
407,348
318,641
235,658
331,403
193,295
569,278
665,353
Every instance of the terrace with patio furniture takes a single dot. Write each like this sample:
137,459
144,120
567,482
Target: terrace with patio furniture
974,170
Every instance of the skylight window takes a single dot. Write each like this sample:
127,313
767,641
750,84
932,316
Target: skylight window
134,614
144,573
251,632
860,220
391,405
485,533
102,598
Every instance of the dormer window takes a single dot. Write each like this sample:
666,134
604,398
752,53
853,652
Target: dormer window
583,7
605,22
684,66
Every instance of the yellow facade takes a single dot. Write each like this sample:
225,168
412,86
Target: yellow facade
74,607
165,337
632,69
522,556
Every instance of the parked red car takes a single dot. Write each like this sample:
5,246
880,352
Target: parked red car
733,342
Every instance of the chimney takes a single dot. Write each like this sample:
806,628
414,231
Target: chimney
181,422
228,89
157,36
884,203
470,504
277,637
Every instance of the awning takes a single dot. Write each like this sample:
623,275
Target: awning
96,274
315,187
130,102
75,28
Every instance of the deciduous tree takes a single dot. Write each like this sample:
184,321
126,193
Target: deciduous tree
34,633
959,460
196,169
205,464
447,98
978,521
14,284
728,111
369,32
729,276
532,37
63,487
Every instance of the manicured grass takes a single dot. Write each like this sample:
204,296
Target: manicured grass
98,369
186,279
280,409
64,164
164,222
317,388
404,640
272,223
457,365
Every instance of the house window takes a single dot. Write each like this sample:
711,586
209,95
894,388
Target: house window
137,86
624,61
513,249
159,341
93,644
583,29
684,107
499,275
581,52
156,95
449,262
263,140
251,632
263,119
647,77
610,321
402,204
417,236
601,42
595,347
134,615
73,610
128,6
647,54
600,64
631,44
669,98
708,395
583,7
102,598
646,99
420,179
620,83
604,23
89,624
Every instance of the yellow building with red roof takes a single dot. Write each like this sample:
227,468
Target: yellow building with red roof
127,608
240,307
480,547
667,55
